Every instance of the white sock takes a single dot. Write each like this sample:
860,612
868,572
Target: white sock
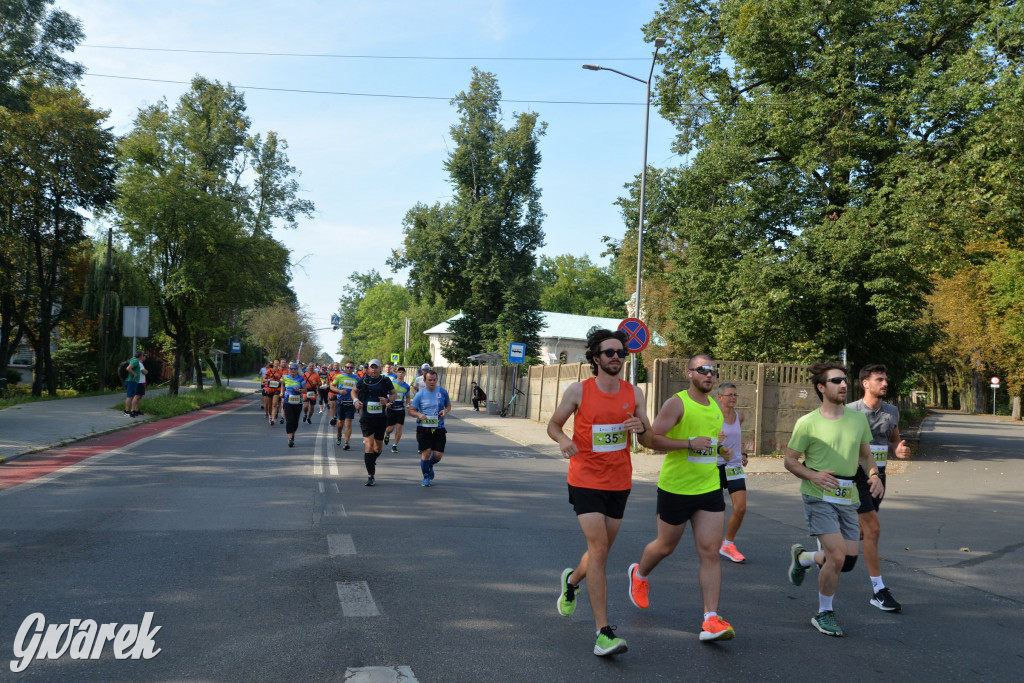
876,583
806,559
825,602
726,544
708,615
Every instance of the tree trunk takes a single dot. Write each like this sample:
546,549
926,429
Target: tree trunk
179,361
213,367
1015,409
198,369
978,391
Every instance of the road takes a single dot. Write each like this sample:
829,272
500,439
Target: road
262,562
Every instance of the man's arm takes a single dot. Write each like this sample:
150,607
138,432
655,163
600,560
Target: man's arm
570,402
898,446
825,478
669,415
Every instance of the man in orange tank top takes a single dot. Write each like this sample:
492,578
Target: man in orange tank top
607,411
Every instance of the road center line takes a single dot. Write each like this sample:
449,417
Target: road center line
340,544
380,674
356,600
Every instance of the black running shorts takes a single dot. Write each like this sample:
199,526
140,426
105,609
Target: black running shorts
395,417
675,509
867,503
374,426
431,439
611,504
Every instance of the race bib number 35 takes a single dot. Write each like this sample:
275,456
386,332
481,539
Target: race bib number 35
609,438
705,457
841,495
881,454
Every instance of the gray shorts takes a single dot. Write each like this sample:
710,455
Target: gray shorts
829,518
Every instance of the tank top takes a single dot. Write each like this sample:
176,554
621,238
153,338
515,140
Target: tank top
732,437
602,460
688,472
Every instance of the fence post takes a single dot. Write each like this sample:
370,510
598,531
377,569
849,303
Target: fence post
759,410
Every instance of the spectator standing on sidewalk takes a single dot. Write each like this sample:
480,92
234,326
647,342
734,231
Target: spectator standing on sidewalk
135,385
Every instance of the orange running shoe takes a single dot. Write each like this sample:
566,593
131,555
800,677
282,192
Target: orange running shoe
731,552
716,628
638,588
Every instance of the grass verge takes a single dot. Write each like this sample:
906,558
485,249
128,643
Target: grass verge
22,394
166,405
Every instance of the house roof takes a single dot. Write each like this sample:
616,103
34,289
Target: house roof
556,325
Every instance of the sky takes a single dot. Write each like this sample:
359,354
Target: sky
365,161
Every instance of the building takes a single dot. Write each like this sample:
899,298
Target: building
562,337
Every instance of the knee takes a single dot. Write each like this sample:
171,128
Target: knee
849,562
739,508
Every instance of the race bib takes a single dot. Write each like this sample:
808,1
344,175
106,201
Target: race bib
294,398
881,454
431,421
609,438
273,384
310,394
734,473
705,457
841,495
374,408
348,383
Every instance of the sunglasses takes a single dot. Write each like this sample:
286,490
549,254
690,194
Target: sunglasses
612,353
705,370
836,380
350,367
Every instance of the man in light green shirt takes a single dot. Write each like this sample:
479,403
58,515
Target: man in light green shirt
833,441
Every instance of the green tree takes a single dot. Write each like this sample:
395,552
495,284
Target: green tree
379,328
575,285
279,328
32,40
476,253
198,198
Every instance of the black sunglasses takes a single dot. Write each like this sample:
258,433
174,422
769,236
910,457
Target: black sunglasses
836,380
705,370
611,353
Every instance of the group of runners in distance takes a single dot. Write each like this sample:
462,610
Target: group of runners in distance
378,394
838,451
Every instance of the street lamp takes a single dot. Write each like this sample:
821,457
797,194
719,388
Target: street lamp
658,44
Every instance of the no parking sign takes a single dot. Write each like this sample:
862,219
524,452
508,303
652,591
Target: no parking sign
639,335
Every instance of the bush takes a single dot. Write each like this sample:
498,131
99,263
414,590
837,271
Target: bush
13,377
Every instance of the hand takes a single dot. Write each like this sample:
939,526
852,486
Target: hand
725,452
876,487
442,412
700,443
902,450
358,404
825,479
744,459
633,424
568,448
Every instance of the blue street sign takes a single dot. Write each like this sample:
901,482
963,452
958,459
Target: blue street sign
639,335
335,320
516,352
236,346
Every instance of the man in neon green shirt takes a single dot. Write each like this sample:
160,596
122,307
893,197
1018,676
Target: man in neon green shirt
832,441
689,426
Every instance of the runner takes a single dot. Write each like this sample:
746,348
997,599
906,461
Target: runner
884,420
730,472
832,441
294,387
607,410
396,410
326,375
312,379
372,394
389,372
332,398
342,387
263,389
688,427
273,378
429,408
418,383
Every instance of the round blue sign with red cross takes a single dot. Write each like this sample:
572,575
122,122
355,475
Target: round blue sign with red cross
639,335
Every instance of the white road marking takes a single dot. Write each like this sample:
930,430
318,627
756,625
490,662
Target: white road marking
340,544
332,462
356,600
333,488
380,674
335,510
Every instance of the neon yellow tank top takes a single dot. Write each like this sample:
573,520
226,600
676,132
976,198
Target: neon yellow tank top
689,472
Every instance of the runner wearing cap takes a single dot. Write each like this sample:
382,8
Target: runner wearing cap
418,383
341,388
373,392
396,410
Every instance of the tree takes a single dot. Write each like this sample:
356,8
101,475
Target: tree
796,228
476,253
575,285
279,329
198,198
55,158
32,38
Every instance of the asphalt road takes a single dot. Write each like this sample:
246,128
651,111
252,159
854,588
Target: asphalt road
261,563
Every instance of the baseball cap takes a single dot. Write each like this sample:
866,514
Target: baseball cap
375,361
425,366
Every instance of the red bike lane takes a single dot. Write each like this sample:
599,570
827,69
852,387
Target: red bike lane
31,467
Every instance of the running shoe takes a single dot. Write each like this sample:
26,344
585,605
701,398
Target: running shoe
826,623
430,473
638,588
566,594
291,443
369,481
394,449
387,438
731,552
271,422
346,446
334,421
796,570
426,481
608,643
884,601
126,413
282,420
716,628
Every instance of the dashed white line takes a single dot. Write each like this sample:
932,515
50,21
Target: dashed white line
337,510
340,544
356,600
380,674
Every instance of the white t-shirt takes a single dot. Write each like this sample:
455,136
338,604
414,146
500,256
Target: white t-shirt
142,373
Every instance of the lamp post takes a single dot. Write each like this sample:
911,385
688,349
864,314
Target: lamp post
658,44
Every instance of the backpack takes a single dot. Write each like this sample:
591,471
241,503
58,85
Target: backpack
122,371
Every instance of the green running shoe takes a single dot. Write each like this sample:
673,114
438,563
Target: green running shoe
796,570
826,623
567,594
608,643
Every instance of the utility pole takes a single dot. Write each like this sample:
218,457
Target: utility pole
104,323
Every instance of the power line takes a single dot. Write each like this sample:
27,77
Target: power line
319,55
365,94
